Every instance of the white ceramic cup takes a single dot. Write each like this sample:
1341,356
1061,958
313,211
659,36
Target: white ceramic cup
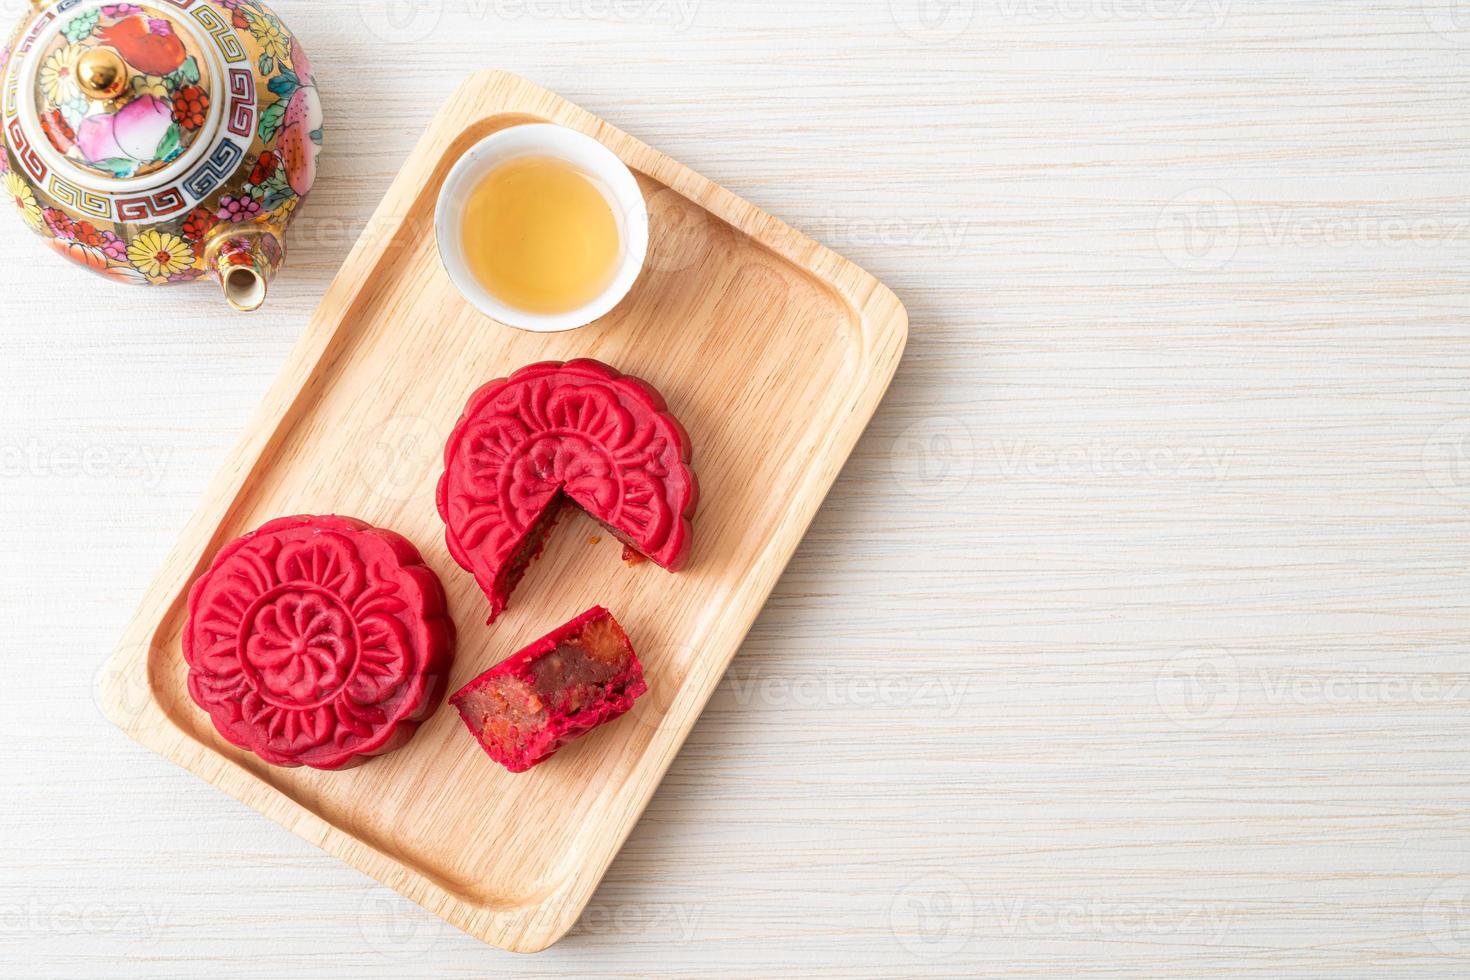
609,173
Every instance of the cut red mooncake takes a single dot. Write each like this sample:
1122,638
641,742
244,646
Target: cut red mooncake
553,432
318,641
560,687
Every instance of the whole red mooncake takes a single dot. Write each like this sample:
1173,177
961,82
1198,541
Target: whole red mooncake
562,686
318,641
553,432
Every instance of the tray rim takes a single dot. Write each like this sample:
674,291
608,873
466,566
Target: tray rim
538,923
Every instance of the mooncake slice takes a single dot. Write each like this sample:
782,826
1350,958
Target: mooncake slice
318,641
555,432
562,686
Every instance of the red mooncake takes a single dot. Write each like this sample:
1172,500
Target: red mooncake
318,641
560,687
553,432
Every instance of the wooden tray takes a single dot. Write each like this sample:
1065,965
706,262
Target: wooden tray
773,351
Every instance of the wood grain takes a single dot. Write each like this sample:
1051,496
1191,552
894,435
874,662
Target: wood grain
1009,182
729,301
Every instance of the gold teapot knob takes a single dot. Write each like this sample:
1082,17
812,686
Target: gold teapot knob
102,75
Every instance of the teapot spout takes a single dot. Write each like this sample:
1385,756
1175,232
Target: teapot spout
244,263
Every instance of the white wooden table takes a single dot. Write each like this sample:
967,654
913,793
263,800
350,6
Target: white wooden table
1135,639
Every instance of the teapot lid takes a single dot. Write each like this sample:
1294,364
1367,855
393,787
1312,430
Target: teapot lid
106,101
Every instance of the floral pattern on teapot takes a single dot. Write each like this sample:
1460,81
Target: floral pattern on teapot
167,97
168,105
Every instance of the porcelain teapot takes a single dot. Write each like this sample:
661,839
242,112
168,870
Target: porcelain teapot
160,141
